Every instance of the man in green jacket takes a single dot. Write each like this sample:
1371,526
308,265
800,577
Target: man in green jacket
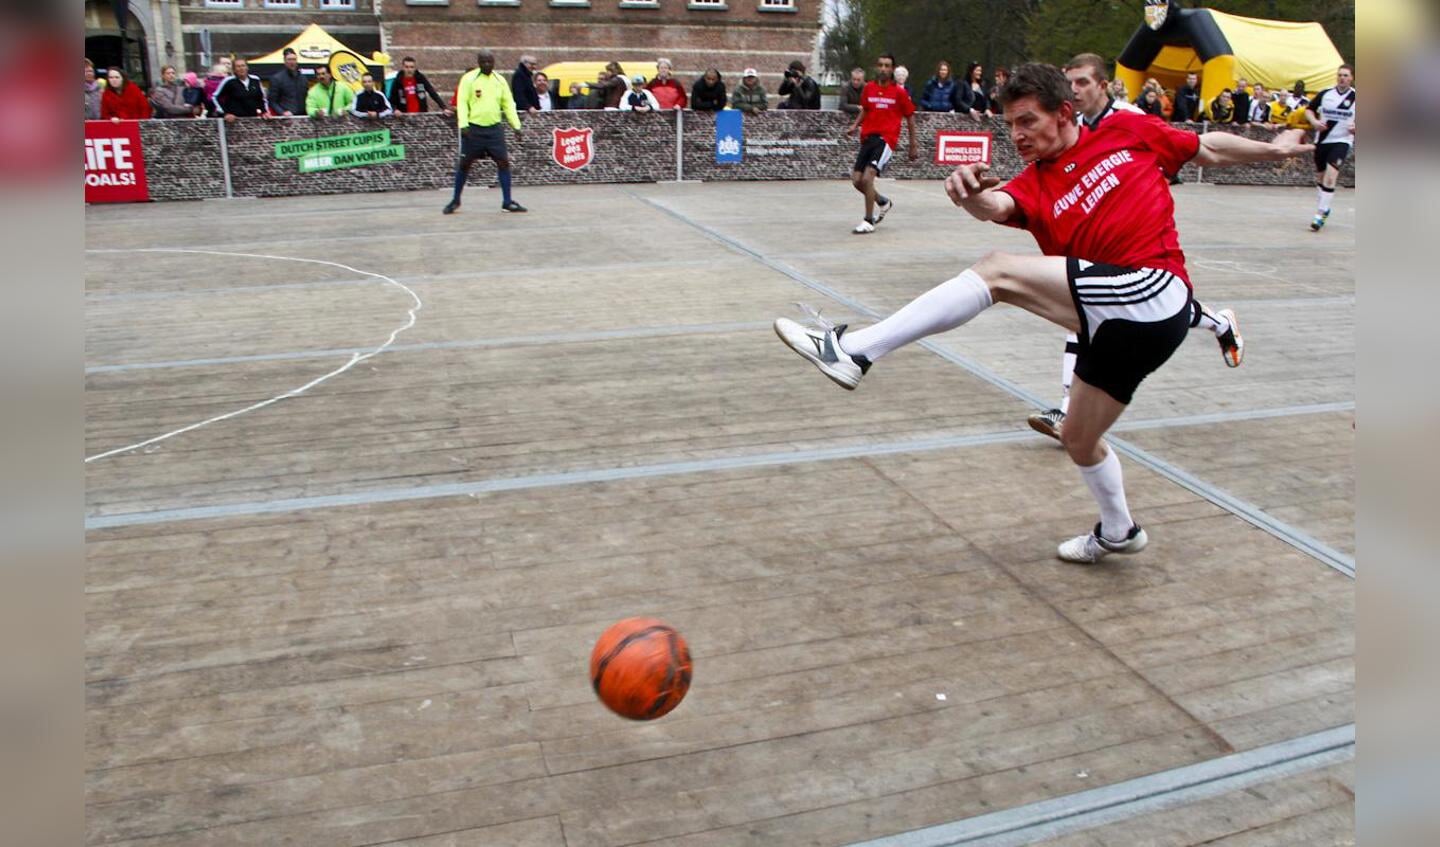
749,96
483,98
328,97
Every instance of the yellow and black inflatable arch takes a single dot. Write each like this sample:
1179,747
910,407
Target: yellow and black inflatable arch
1187,41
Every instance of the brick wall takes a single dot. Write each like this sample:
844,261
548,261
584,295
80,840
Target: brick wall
444,39
183,159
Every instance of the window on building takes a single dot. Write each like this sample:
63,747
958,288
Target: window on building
569,2
337,4
225,4
639,4
776,5
281,4
707,4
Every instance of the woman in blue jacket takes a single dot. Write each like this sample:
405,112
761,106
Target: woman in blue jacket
939,93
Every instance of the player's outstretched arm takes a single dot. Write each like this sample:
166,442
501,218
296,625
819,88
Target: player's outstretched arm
1219,149
972,188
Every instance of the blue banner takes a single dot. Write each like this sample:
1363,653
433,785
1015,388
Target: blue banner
729,137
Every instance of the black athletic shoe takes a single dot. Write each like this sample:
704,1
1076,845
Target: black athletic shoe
1047,422
450,207
512,206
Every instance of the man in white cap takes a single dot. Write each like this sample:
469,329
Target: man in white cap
749,96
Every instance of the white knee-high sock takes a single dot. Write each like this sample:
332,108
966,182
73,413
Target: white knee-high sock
946,306
1107,484
1067,369
1326,195
1202,317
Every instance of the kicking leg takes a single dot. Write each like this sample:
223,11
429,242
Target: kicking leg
1037,284
1092,413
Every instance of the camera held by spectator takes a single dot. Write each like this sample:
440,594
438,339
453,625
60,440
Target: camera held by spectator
799,90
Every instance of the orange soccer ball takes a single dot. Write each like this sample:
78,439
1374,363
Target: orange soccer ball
640,668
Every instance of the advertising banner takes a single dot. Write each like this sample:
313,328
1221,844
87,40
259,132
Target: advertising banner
729,137
961,148
114,163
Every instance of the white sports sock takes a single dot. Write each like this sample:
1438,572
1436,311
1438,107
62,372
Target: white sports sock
1207,319
944,307
1326,195
1107,484
1067,370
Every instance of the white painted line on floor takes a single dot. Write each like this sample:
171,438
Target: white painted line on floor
503,341
726,463
355,358
1053,818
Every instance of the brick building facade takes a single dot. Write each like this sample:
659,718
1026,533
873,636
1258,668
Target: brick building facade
253,28
731,35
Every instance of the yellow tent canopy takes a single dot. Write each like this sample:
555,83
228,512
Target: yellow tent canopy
1224,48
315,47
1277,53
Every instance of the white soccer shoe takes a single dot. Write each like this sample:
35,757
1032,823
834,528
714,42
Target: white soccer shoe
863,228
883,209
1232,343
1089,549
821,346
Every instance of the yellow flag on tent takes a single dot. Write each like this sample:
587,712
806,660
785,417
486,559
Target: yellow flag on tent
348,68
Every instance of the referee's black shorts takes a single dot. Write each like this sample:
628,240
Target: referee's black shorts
477,142
1131,321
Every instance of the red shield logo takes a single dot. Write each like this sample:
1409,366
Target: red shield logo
573,149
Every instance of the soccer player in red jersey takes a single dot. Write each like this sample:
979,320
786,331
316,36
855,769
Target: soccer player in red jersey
1082,195
883,104
1090,84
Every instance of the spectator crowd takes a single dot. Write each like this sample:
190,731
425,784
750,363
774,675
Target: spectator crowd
230,91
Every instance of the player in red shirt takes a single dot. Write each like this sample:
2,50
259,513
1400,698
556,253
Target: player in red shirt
883,104
1084,195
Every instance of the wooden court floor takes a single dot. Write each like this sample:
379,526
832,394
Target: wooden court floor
361,614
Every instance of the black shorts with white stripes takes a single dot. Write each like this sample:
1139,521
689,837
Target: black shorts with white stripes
874,153
1334,153
1131,321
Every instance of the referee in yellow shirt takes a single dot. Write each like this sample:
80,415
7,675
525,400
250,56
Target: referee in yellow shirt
482,99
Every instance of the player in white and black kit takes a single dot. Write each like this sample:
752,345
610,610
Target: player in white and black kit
1088,79
1332,113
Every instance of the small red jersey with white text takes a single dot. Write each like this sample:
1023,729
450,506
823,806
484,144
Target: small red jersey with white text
1107,199
885,107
